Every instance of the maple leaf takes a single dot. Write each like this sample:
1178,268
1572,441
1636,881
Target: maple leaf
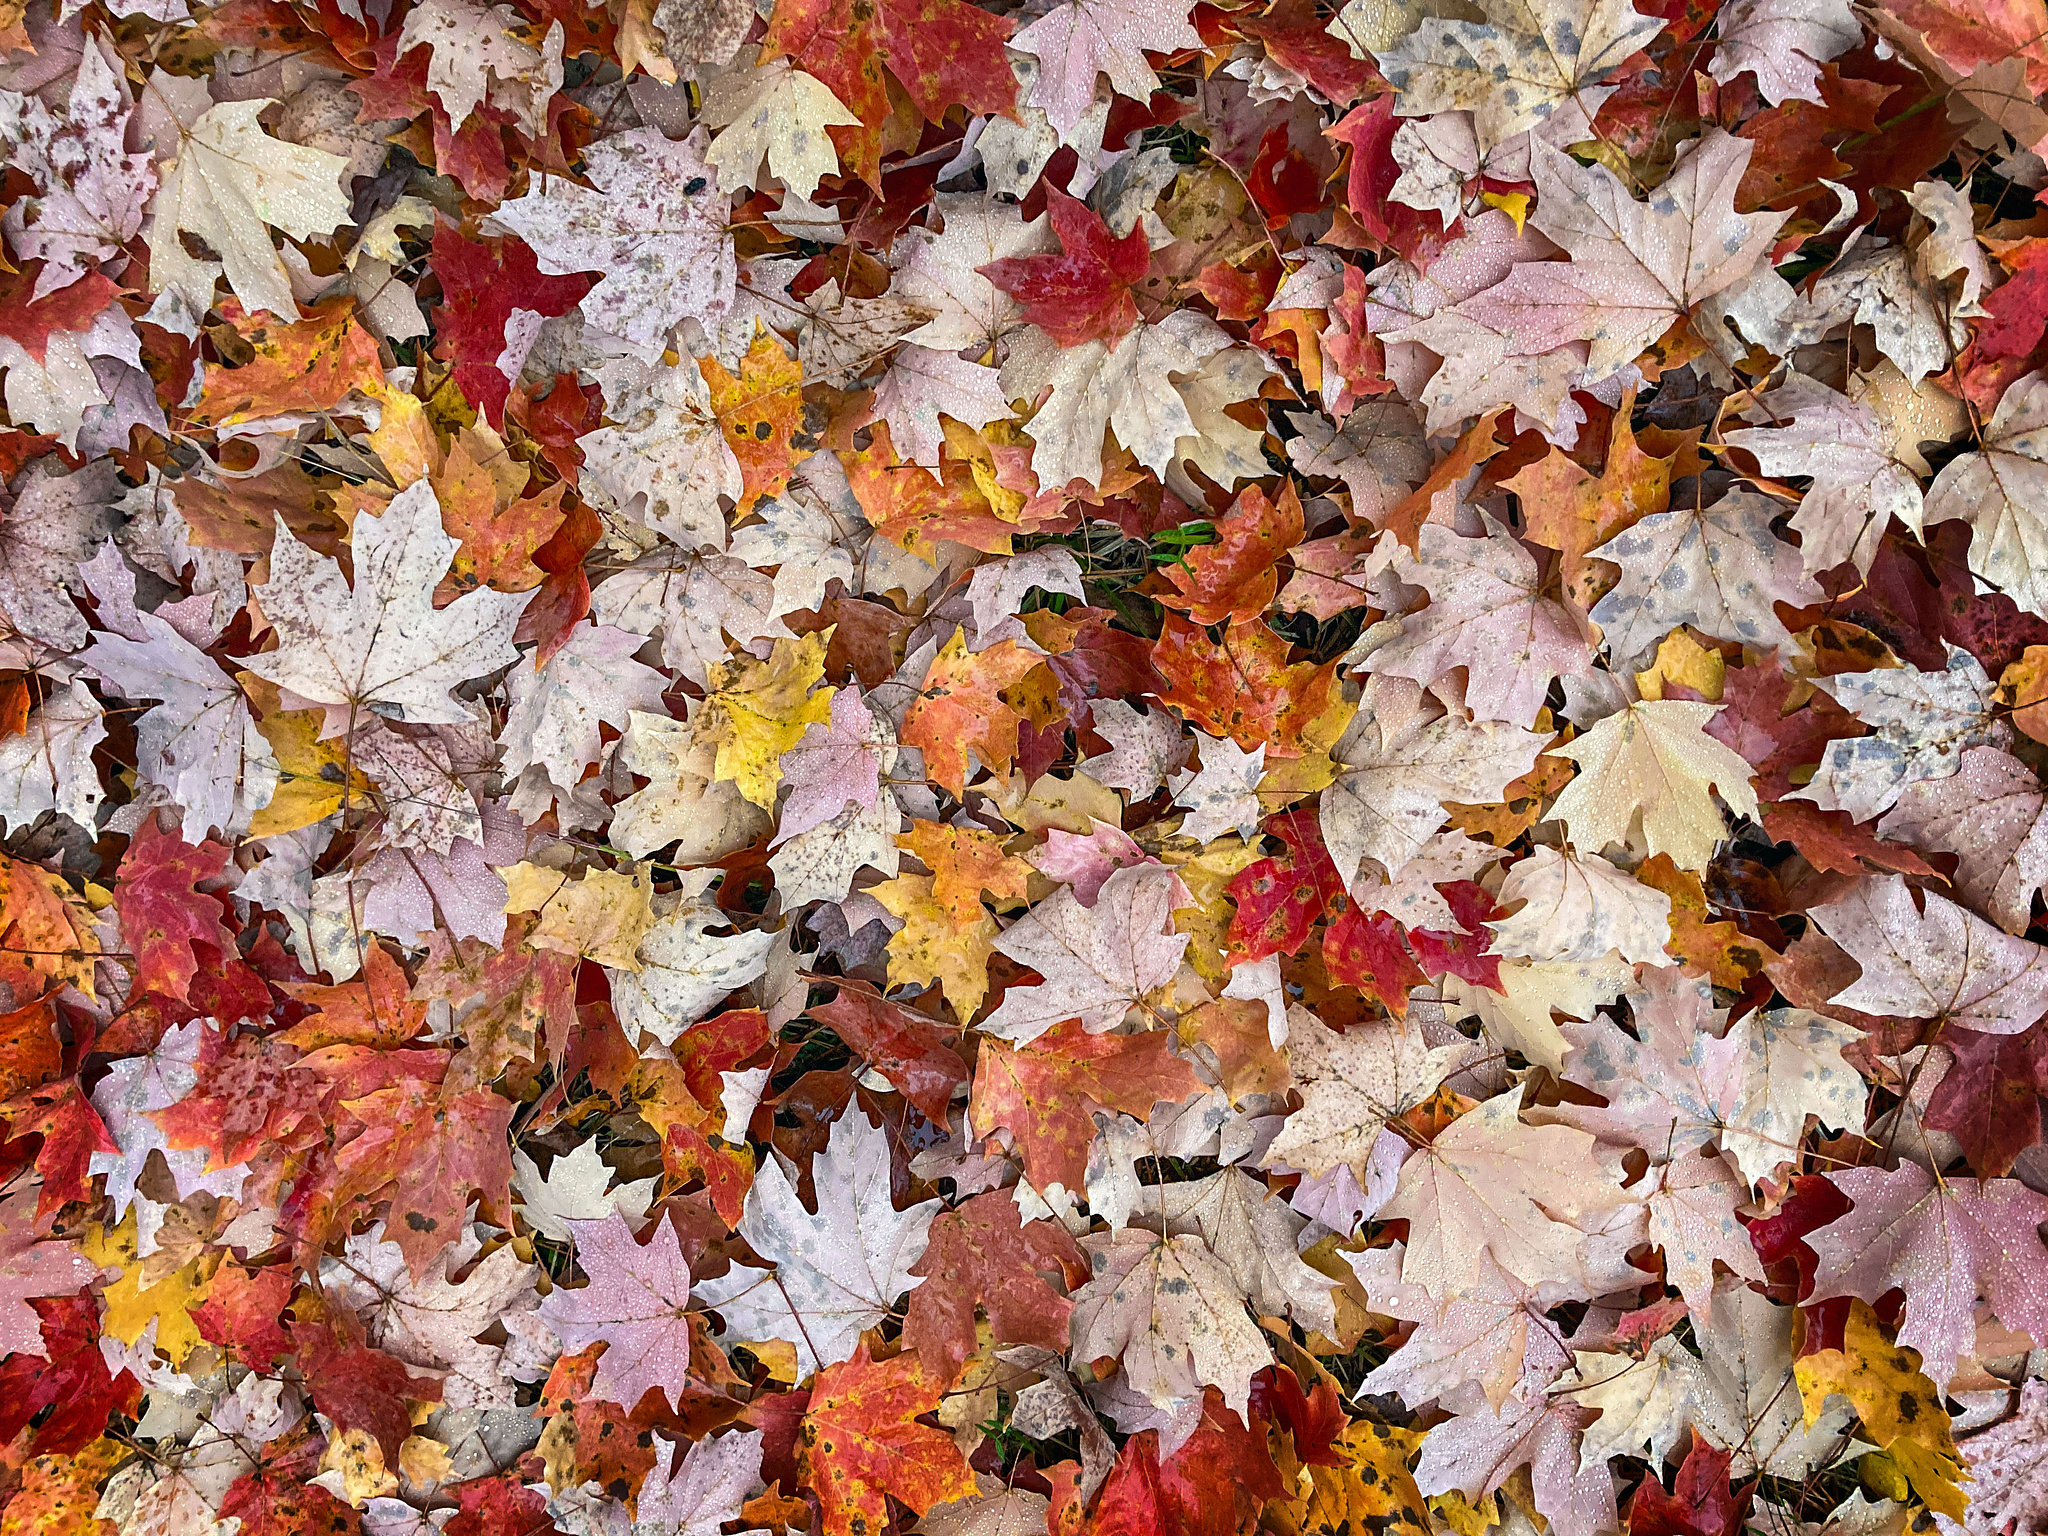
1214,1476
1643,1403
1989,1099
1579,907
1490,1185
760,412
55,523
433,1322
755,710
1898,1407
1172,1312
2004,1461
1243,686
1636,267
93,192
860,1443
1083,294
1556,54
1651,766
228,181
431,1150
1493,1333
49,767
1573,512
1988,813
1223,794
484,288
1954,1241
1351,1085
705,1485
668,461
1146,389
1256,1234
32,1265
692,603
636,1302
1940,962
1793,1068
933,945
1692,1218
1487,614
982,1253
773,113
308,365
1097,962
684,968
1782,45
1674,1083
128,1099
559,709
959,709
60,1494
1079,39
1719,570
940,51
1037,1093
1703,1501
475,56
163,914
2001,491
838,1271
70,1131
1234,578
654,228
940,272
577,1188
1923,721
907,1048
1862,479
380,646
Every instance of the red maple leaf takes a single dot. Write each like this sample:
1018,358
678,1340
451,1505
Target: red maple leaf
1084,294
72,1383
274,1503
480,287
163,913
71,1132
1702,1501
32,321
943,52
861,1441
356,1386
251,1094
244,1311
907,1048
984,1253
1202,1489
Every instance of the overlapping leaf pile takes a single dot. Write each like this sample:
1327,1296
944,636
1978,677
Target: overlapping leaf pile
1105,765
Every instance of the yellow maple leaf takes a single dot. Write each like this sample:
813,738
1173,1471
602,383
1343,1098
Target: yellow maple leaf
1207,922
601,916
757,710
760,412
929,947
1372,1489
59,1494
1683,660
313,776
964,862
135,1300
1899,1405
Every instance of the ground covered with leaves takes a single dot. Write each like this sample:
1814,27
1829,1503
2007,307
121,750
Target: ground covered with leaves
1111,767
